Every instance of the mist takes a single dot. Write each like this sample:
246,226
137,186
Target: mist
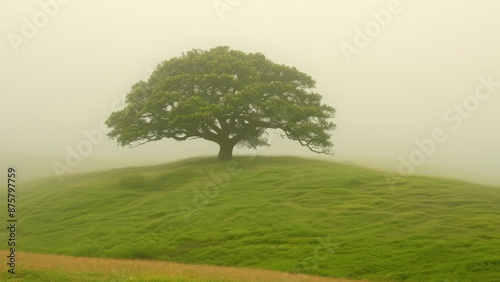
416,84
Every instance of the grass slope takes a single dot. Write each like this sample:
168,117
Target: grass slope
278,213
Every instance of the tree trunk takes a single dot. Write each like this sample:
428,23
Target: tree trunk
225,151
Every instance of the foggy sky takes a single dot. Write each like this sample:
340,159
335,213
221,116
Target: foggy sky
411,68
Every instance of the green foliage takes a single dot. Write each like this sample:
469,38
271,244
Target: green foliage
297,210
224,96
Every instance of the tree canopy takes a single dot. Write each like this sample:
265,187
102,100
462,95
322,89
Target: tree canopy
225,96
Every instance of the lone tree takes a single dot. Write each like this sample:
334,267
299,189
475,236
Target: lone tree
225,96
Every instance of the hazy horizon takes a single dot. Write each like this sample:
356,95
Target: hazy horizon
410,80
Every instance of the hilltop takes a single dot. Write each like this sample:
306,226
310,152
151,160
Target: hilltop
277,213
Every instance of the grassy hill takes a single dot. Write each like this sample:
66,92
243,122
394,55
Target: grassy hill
277,213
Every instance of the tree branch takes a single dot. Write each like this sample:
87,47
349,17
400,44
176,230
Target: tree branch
306,144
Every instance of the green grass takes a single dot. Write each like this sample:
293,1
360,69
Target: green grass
279,213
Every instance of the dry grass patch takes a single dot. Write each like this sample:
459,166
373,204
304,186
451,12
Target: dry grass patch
144,268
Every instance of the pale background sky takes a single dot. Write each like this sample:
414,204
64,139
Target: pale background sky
68,76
